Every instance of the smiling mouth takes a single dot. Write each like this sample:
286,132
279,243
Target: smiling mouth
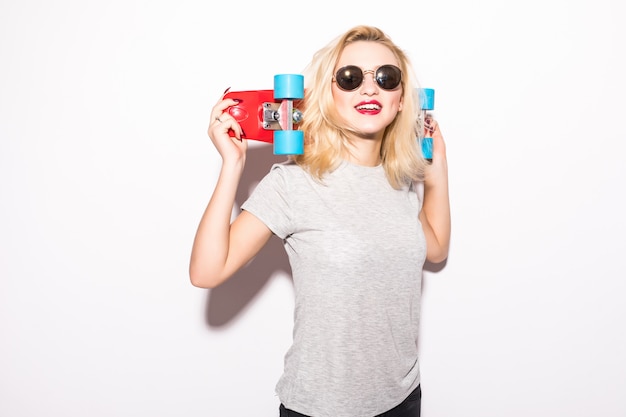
368,107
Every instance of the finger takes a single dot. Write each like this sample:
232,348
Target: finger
221,118
439,145
429,125
222,107
436,131
224,124
432,130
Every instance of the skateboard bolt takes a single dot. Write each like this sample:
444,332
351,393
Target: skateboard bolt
297,116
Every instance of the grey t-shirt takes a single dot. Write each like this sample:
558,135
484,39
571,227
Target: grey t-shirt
356,249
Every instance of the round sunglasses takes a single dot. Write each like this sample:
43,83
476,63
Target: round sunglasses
350,77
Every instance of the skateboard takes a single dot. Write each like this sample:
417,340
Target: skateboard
427,101
271,115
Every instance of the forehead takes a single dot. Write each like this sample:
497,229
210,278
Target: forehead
367,55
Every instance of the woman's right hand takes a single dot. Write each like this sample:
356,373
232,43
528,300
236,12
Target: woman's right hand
222,247
231,148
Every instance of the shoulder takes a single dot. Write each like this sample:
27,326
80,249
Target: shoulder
281,177
287,170
286,166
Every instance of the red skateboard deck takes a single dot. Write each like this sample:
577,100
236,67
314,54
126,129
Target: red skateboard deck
260,114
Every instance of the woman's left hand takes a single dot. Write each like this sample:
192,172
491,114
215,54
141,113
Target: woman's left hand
437,170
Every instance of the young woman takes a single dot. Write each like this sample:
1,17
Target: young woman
359,212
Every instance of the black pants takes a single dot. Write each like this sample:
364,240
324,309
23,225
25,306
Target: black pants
408,408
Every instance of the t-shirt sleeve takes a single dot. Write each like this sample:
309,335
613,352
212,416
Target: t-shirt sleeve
270,203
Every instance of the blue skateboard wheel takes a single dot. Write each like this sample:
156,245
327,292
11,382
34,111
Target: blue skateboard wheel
289,86
427,148
288,142
427,98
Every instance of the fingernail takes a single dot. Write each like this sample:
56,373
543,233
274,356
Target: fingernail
226,91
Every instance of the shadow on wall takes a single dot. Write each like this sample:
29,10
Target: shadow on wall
431,267
227,300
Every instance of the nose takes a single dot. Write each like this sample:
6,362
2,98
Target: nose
369,85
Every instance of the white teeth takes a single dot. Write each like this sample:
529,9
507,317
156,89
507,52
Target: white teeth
368,107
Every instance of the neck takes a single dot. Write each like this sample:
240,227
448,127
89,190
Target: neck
364,152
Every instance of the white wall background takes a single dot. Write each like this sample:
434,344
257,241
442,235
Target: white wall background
105,168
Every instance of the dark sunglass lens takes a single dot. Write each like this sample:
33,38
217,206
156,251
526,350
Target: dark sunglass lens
388,77
349,78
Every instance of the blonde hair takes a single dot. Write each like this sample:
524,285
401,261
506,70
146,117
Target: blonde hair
326,135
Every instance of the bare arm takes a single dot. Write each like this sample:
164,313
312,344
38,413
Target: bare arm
435,214
219,248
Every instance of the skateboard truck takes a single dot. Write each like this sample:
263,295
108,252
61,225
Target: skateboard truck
276,115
